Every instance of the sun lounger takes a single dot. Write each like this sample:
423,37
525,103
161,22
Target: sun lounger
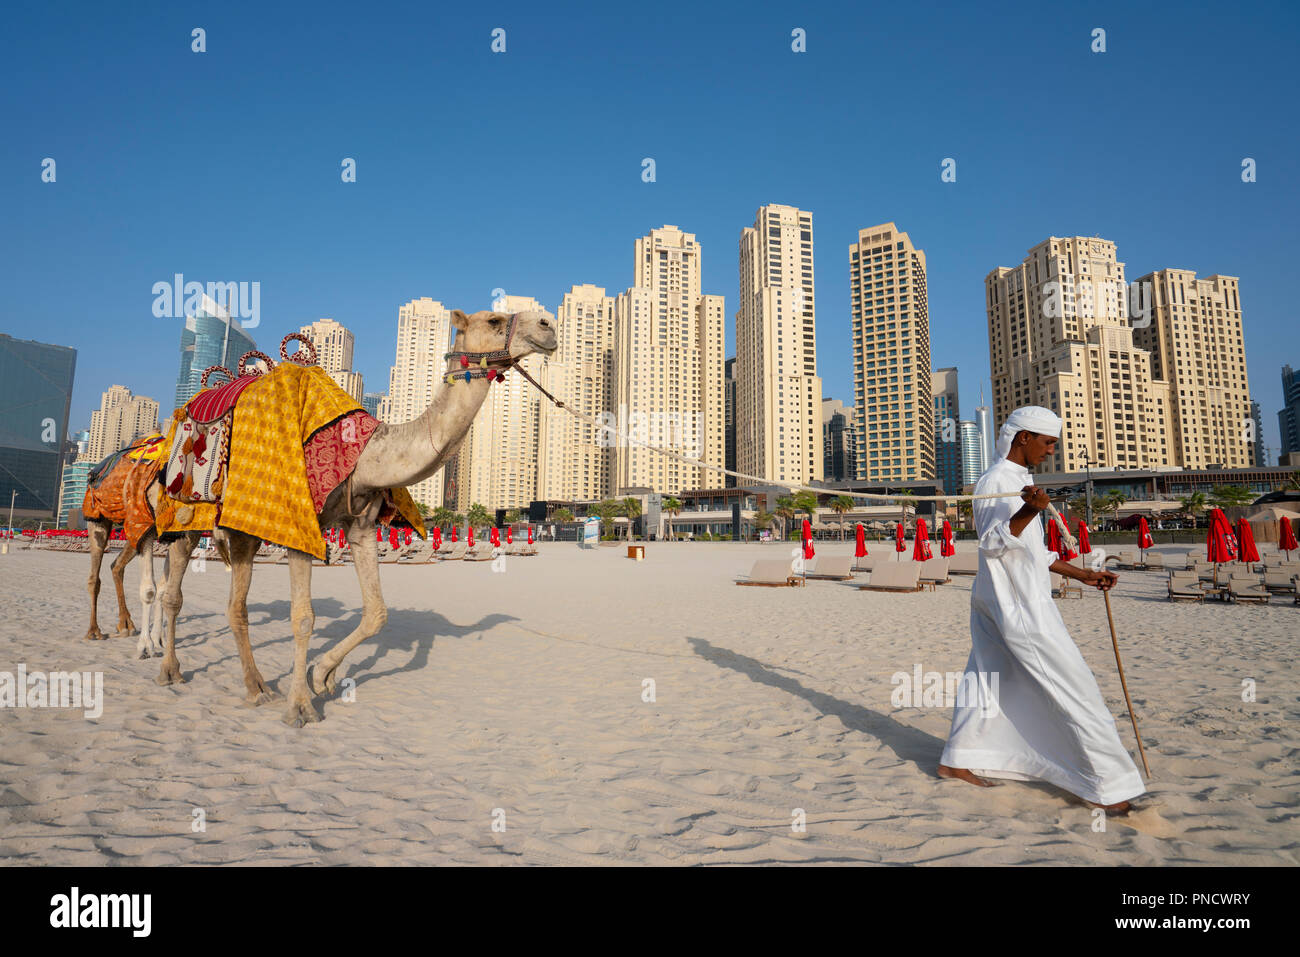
833,568
895,576
1185,586
934,571
455,554
771,573
1065,588
481,552
1123,559
1246,588
964,563
1279,580
864,564
1155,562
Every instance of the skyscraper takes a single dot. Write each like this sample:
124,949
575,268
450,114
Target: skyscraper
668,367
891,357
729,399
984,429
838,459
120,419
973,462
778,392
1288,418
210,337
333,344
947,440
1259,454
35,393
423,340
575,459
1198,369
497,464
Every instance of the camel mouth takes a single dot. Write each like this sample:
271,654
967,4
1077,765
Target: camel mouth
549,346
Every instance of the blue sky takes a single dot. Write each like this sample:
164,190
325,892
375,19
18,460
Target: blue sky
522,170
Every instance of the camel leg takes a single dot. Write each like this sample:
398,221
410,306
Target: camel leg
374,614
97,535
301,710
147,647
178,554
125,626
241,548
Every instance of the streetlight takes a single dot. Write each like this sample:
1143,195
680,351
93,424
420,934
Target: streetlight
12,495
1087,464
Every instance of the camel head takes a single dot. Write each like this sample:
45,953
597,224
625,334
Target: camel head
486,332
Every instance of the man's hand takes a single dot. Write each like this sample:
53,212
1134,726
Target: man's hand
1036,498
1102,581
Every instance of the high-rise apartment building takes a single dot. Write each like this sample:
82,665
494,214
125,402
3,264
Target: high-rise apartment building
1288,418
575,459
973,461
497,464
423,341
891,357
1198,365
729,402
668,368
778,392
947,437
120,419
333,343
1259,453
838,459
35,394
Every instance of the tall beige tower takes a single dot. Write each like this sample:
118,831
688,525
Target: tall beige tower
1197,347
778,392
668,367
894,433
574,462
120,419
1060,337
497,464
333,343
423,340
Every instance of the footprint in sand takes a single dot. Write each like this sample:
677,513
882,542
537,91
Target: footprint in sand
1147,820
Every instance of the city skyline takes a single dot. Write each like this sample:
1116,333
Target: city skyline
322,247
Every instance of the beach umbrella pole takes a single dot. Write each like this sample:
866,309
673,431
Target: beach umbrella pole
1124,684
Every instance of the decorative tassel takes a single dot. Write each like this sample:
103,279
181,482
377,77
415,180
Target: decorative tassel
449,378
482,363
464,362
468,376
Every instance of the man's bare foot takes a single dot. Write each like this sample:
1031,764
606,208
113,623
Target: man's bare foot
1114,810
962,774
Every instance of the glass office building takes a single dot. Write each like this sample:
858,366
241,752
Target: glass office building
209,340
35,394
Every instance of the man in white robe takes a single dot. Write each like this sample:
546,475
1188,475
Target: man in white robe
1048,720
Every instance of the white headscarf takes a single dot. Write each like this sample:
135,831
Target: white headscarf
1030,418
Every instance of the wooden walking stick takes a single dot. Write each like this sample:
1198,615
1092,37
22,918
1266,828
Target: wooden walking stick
1123,684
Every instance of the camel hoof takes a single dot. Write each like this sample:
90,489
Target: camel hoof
328,686
128,629
256,699
300,714
144,654
96,635
170,675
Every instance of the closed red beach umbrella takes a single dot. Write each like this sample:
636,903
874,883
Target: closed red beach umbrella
947,549
920,543
1084,546
469,536
530,534
900,545
1220,543
510,535
436,537
406,536
860,550
392,538
455,534
1054,542
1144,534
1286,537
808,550
495,537
1246,538
379,534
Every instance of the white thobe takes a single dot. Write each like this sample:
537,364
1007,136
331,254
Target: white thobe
1048,720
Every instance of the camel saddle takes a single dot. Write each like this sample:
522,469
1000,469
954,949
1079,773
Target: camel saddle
200,452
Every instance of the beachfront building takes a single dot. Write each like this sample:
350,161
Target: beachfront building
1198,361
729,400
35,395
210,337
1288,418
668,367
575,459
120,419
947,435
838,459
890,313
778,392
497,464
333,343
72,489
424,336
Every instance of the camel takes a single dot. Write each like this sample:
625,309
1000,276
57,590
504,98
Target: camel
395,455
99,529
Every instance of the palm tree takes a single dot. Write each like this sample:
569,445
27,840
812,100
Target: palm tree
1225,496
839,505
563,515
631,508
458,519
671,506
478,516
606,509
966,511
806,502
907,500
442,516
763,520
1193,505
512,516
1111,501
785,510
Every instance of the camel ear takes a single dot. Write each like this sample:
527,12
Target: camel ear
459,320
